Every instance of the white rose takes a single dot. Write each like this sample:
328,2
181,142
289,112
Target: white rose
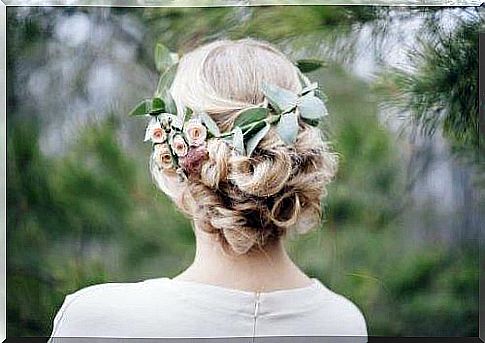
155,132
179,146
162,156
195,132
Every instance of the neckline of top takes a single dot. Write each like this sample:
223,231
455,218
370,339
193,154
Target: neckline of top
315,285
220,298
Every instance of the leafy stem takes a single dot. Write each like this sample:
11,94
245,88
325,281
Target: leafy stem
247,127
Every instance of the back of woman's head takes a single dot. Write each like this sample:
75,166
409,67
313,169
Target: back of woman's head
247,202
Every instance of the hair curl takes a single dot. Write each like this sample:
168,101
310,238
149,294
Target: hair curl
247,202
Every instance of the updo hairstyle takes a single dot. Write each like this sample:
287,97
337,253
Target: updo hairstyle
247,202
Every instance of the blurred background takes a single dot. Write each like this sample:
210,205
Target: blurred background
402,219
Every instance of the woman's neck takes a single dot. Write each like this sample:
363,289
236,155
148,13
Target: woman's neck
267,270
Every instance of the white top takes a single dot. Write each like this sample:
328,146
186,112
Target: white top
166,308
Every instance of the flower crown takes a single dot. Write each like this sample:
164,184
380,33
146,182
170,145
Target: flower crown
179,137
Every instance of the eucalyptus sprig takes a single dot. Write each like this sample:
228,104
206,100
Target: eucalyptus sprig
282,108
162,102
252,124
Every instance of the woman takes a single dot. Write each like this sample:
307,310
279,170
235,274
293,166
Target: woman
242,198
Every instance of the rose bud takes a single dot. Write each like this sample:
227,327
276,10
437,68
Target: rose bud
155,132
162,156
195,132
192,162
179,146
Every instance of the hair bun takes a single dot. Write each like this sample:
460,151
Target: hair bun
263,175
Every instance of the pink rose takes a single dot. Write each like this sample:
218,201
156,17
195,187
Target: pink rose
162,156
192,162
179,146
155,132
195,132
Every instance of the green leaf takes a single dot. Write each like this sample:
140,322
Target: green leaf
287,127
253,129
141,108
309,65
165,81
251,115
157,105
228,138
210,124
254,141
281,99
170,105
163,58
238,140
188,114
311,107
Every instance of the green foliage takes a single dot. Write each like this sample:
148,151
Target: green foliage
309,65
402,286
311,107
238,140
152,106
287,127
162,100
251,115
440,91
256,138
281,100
210,124
163,58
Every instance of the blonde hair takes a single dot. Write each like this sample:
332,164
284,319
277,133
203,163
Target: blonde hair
247,202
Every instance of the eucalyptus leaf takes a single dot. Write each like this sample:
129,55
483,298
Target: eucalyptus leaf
141,108
311,107
175,57
170,105
210,124
254,140
287,127
309,88
228,139
238,140
188,114
253,129
309,65
163,57
157,105
251,115
165,81
281,99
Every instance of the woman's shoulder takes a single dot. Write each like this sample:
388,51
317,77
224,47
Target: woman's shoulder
106,292
94,304
344,312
